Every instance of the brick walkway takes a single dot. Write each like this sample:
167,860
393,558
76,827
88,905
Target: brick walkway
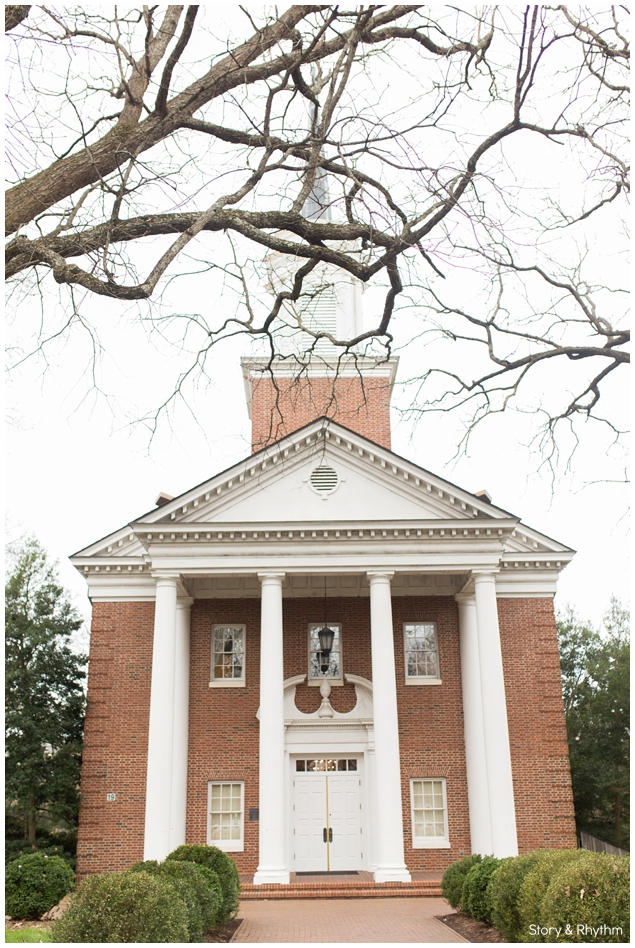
345,920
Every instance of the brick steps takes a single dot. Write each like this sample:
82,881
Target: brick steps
342,890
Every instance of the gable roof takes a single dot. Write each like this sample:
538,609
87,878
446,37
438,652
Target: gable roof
269,486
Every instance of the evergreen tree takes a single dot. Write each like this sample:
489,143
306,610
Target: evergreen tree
595,676
45,700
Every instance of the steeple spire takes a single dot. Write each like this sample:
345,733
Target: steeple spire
317,206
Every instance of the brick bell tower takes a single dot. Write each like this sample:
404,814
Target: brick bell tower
312,378
286,395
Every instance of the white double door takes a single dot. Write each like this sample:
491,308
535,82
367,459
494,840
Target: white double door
327,822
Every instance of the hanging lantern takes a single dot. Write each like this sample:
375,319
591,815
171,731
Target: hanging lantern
325,636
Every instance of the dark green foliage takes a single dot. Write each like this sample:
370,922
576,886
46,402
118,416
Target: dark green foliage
534,886
62,843
593,892
213,883
505,888
123,907
224,867
14,848
35,883
475,896
44,695
596,688
191,883
454,877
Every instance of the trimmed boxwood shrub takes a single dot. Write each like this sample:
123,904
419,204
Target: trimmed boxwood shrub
224,867
591,892
213,883
190,882
504,890
476,897
35,883
535,885
123,907
454,877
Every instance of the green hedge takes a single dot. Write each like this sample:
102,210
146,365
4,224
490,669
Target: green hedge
505,888
550,895
534,887
35,883
454,877
123,907
588,901
476,894
225,868
197,886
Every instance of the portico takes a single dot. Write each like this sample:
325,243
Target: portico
272,534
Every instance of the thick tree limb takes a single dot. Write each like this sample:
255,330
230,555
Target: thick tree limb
14,15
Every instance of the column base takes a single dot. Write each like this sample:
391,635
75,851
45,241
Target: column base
271,876
391,874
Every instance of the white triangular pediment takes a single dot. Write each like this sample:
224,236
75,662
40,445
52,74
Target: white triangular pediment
276,485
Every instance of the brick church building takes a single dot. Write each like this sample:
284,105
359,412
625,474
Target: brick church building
433,727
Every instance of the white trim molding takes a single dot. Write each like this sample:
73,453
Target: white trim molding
226,845
430,842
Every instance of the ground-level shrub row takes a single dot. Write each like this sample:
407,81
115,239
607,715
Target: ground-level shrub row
548,895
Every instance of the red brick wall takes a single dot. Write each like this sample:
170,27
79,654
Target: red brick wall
223,742
431,737
115,753
363,405
537,729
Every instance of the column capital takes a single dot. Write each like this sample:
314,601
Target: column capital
271,578
485,571
465,597
379,575
184,602
165,578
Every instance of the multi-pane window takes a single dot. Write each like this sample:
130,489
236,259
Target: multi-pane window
335,658
226,816
421,651
429,813
228,654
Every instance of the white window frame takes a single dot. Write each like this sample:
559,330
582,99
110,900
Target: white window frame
227,845
228,682
429,842
421,679
312,682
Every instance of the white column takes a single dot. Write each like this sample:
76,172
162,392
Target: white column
161,729
181,722
391,866
272,865
476,767
370,827
497,753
